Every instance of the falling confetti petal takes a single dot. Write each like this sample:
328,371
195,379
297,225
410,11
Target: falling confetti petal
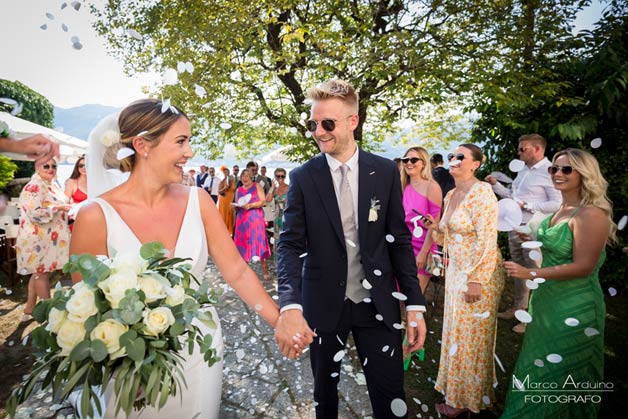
622,223
64,5
339,340
455,163
398,408
134,34
379,317
199,90
377,272
165,105
76,5
50,16
385,348
8,101
531,244
417,401
258,307
170,78
225,125
334,374
413,324
339,355
390,238
366,360
482,315
124,152
539,280
499,363
554,358
570,321
350,243
366,284
399,296
612,291
189,67
596,142
8,291
180,66
302,255
453,349
425,407
417,232
486,400
590,331
523,316
539,363
458,238
532,284
17,109
516,165
366,300
397,326
75,39
535,255
240,354
518,383
64,27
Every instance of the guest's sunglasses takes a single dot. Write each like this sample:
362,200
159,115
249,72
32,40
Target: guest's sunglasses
48,167
565,169
458,156
522,149
328,125
280,176
413,160
81,166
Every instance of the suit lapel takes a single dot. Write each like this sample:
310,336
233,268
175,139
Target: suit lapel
366,188
321,177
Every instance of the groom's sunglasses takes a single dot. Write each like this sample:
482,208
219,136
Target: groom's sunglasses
327,124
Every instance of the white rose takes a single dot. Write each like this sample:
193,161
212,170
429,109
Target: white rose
176,295
129,261
81,304
109,331
154,287
116,285
70,334
110,138
55,320
372,215
157,320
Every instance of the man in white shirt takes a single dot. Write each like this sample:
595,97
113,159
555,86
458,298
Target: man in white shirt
211,184
534,191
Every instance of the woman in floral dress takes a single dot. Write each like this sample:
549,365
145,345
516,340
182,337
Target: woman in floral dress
44,236
279,193
475,280
250,231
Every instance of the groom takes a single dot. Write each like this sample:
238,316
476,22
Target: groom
343,255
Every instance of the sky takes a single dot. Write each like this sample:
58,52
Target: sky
45,60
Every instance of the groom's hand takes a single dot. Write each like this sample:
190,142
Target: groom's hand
292,333
415,330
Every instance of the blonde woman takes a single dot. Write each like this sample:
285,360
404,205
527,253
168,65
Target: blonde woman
565,339
421,196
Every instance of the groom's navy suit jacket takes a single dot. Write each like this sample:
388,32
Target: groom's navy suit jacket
312,226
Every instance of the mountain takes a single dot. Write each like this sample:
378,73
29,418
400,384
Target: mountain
78,122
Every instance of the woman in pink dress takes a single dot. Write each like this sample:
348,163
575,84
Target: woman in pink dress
421,196
250,228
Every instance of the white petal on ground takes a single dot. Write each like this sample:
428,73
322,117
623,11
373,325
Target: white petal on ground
596,142
398,408
516,165
531,284
424,407
366,360
571,321
554,358
240,354
523,316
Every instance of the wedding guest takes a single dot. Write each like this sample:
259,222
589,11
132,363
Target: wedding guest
278,193
202,176
262,171
250,228
76,185
236,173
421,196
226,193
43,237
532,189
475,280
124,217
343,250
440,174
565,338
37,147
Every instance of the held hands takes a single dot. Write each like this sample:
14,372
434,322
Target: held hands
415,331
474,292
292,333
517,271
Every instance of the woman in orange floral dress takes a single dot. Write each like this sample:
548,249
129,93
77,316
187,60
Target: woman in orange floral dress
474,283
43,238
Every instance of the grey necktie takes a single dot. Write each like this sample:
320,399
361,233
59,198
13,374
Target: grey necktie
355,272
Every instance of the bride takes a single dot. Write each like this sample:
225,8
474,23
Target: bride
152,144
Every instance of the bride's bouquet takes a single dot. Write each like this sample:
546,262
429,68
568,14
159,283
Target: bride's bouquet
124,325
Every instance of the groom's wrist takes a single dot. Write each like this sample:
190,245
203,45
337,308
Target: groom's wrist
291,307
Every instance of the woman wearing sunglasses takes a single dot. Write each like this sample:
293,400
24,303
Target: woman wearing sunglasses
278,193
565,339
421,196
76,185
43,238
475,280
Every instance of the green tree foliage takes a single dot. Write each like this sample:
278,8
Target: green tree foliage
256,58
35,108
570,97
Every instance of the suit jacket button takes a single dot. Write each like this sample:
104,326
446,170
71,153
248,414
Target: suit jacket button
342,283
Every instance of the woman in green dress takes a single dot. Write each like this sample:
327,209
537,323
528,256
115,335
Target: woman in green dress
278,193
559,373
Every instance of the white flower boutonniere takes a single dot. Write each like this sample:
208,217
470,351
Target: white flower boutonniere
374,210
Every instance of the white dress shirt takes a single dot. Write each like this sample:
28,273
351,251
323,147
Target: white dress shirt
213,190
533,186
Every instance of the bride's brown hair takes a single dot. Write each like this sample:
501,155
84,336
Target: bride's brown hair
144,118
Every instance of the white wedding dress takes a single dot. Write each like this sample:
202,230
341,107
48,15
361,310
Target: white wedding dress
201,398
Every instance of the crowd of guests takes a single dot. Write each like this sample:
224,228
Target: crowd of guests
452,216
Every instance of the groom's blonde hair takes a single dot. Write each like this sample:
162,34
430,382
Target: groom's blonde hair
335,89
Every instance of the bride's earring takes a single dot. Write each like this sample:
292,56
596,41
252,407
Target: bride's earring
145,155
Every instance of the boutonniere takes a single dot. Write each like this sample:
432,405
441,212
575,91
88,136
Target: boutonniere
373,210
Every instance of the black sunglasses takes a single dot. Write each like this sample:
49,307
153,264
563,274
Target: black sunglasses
552,170
413,160
48,167
280,176
458,156
327,124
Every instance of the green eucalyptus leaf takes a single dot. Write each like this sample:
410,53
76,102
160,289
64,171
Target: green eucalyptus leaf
81,351
136,349
40,312
98,350
130,308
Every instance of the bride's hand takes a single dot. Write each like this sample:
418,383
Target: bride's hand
292,333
